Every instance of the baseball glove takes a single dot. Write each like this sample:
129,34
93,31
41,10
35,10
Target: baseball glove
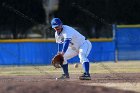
57,61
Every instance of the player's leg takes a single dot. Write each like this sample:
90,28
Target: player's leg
83,54
68,55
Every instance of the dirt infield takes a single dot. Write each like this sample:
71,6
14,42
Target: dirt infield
48,84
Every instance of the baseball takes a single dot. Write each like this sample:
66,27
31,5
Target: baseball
76,65
56,79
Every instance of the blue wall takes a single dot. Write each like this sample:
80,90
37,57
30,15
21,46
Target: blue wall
128,43
40,52
34,53
101,51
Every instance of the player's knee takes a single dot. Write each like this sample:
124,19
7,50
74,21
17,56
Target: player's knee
84,60
65,62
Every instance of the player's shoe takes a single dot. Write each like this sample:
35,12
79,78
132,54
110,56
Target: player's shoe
85,76
64,76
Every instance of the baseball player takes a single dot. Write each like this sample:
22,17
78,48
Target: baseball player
70,44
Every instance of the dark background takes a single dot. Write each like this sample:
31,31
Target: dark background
93,18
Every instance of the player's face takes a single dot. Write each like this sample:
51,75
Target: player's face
58,28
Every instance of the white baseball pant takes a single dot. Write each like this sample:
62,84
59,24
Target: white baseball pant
82,52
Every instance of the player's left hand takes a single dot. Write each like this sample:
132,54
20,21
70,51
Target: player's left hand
58,60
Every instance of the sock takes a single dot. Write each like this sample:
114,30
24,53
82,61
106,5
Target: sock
65,69
86,67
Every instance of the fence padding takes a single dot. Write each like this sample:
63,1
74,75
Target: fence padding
40,53
128,43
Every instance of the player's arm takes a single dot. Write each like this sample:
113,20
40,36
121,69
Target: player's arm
66,45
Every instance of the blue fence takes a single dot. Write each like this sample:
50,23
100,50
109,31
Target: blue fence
128,43
101,51
41,53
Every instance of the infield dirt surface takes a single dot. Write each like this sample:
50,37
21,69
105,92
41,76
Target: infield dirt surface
48,84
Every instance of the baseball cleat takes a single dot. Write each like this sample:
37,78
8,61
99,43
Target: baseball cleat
64,76
85,77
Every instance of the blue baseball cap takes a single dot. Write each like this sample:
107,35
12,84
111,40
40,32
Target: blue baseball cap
56,22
